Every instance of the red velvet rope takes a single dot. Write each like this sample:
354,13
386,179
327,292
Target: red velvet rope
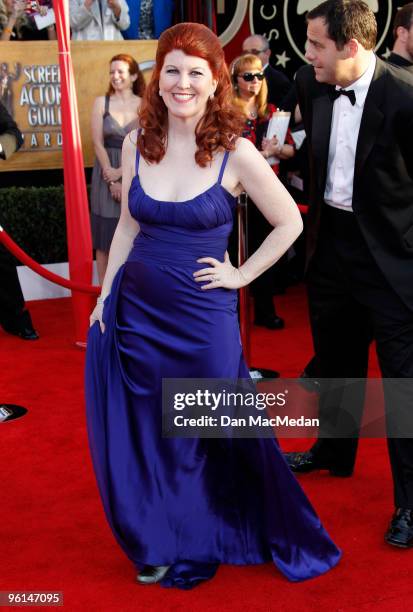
33,265
55,278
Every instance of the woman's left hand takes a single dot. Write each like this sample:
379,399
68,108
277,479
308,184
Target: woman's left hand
112,174
219,274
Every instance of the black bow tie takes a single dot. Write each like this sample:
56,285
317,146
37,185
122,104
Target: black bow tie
335,93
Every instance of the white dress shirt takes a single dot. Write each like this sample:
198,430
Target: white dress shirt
345,126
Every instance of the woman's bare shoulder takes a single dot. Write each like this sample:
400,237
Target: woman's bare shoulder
131,139
129,146
99,103
244,150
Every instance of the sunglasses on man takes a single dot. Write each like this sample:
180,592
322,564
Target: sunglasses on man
250,76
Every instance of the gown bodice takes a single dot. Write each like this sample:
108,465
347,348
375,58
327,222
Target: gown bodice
182,231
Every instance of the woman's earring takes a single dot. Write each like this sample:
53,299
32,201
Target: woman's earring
212,96
160,94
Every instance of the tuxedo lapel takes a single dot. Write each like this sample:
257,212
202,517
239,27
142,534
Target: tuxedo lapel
371,119
321,128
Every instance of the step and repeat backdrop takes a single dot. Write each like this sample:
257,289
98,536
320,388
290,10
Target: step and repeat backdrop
30,79
283,24
30,90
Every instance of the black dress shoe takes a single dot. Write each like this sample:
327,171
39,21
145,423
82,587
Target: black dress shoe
10,412
308,462
151,574
270,322
400,532
22,327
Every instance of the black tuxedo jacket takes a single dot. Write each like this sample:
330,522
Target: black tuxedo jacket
278,86
383,174
398,60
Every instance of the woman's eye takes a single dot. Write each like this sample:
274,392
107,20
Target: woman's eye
171,70
196,73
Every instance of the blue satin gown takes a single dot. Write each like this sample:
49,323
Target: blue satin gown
188,503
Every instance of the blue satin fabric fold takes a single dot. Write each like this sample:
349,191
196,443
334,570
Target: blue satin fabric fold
187,503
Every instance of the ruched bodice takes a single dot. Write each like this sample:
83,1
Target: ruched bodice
181,231
210,209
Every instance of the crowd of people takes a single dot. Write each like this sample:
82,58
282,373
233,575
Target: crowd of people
168,308
89,19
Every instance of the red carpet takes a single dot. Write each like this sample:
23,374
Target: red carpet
54,535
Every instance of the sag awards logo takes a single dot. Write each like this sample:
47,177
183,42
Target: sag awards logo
283,24
38,98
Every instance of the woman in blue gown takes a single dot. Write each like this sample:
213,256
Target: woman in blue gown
168,309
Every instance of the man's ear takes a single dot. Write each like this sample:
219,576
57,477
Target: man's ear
402,33
351,48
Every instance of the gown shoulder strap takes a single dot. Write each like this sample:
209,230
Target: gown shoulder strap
222,170
137,158
106,106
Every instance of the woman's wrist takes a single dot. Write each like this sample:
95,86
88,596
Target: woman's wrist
102,297
245,279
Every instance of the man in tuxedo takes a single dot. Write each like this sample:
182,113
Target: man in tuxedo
278,84
358,116
14,318
402,54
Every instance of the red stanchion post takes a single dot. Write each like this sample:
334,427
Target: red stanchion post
79,239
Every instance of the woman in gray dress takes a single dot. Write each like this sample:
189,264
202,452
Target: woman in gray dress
114,115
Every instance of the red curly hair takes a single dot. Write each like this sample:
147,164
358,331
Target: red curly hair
221,123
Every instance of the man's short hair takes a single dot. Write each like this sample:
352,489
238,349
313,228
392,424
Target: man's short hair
403,18
347,19
264,41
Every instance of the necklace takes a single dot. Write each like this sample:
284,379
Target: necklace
252,114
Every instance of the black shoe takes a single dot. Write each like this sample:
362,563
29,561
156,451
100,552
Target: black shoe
151,574
308,462
22,327
400,532
270,322
10,412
